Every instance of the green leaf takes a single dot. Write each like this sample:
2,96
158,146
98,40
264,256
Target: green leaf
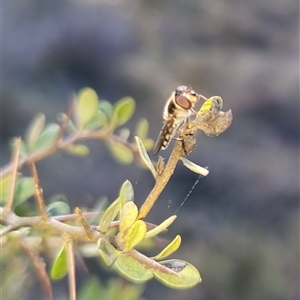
145,157
109,215
121,153
60,264
58,208
142,129
105,112
77,150
132,269
171,248
47,137
161,227
126,193
108,253
25,188
209,103
34,130
91,289
189,275
5,182
195,168
148,144
136,233
23,147
128,216
123,111
87,106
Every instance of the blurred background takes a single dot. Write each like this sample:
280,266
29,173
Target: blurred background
240,225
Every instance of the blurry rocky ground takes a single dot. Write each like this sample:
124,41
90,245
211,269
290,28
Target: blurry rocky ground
240,225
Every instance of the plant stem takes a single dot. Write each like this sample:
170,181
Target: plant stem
162,180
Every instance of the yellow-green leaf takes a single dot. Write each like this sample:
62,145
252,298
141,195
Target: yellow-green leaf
34,130
136,233
108,253
91,289
60,265
123,111
25,188
132,269
128,216
208,104
145,157
148,144
78,150
5,182
121,153
171,248
142,128
58,208
87,106
161,227
126,193
105,112
48,136
189,275
195,168
109,215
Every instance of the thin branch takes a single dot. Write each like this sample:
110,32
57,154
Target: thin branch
162,180
40,267
150,263
65,143
84,223
14,222
71,265
14,167
38,195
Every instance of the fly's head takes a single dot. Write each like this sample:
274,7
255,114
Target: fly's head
181,103
185,97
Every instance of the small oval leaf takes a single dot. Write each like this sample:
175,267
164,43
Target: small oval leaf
216,101
58,208
195,168
142,128
128,216
123,111
5,182
109,215
87,106
171,248
78,150
126,193
121,153
189,275
145,157
60,264
34,130
25,188
108,253
136,233
105,112
47,137
132,269
161,227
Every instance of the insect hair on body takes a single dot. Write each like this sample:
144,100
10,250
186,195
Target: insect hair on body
176,112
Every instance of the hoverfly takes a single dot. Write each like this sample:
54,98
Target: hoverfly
177,110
